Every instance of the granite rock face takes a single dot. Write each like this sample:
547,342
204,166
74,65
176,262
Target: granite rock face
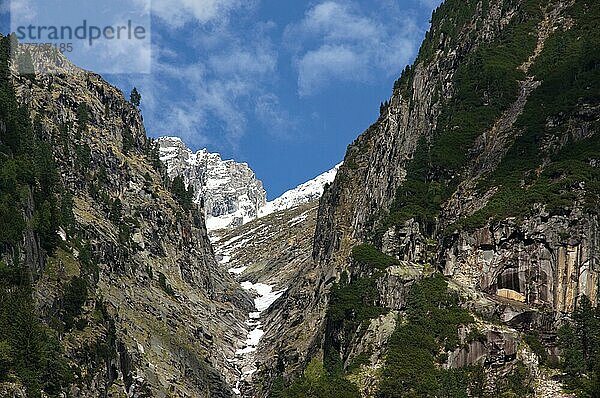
544,261
526,271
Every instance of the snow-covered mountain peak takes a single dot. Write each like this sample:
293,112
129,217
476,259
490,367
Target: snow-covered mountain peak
229,191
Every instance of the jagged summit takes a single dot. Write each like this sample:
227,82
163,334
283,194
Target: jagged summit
229,191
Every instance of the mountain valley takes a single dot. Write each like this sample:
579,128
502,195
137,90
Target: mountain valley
455,252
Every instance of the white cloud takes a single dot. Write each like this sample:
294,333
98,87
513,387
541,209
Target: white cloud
204,98
334,21
178,12
217,76
241,61
22,12
117,56
339,41
272,115
214,94
317,67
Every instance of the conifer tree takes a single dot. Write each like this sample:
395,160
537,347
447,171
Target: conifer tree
136,97
182,194
82,116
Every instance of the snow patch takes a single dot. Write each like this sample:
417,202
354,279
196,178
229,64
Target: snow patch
237,271
244,357
228,191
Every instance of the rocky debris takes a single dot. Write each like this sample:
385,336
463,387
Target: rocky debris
12,390
495,347
395,284
245,357
270,249
265,255
545,381
547,385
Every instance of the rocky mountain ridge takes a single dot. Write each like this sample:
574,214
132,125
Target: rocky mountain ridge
307,192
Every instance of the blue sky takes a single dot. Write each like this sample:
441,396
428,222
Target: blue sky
282,85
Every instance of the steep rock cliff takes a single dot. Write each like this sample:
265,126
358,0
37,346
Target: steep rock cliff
471,169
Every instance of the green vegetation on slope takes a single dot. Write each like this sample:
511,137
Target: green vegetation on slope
447,21
369,255
26,168
316,382
579,342
164,285
29,351
419,347
414,355
351,307
183,194
75,295
535,172
486,83
352,304
29,184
